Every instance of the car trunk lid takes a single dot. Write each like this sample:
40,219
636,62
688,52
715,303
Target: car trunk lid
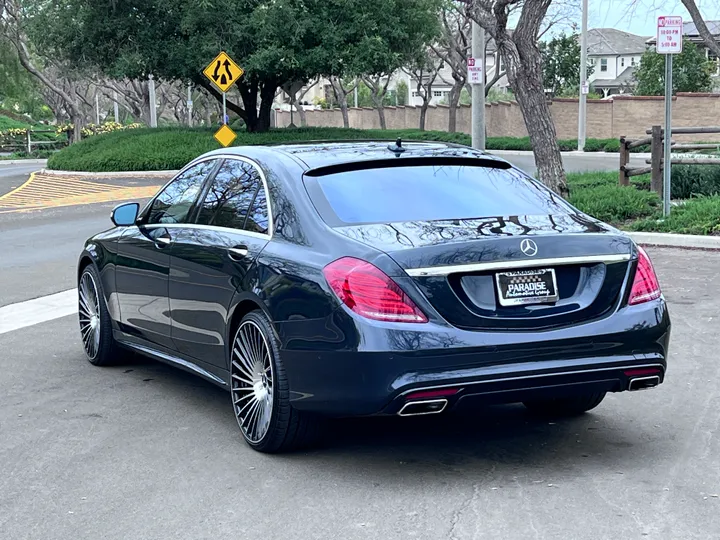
505,273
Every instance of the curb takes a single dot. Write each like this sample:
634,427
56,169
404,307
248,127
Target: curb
23,162
683,241
125,174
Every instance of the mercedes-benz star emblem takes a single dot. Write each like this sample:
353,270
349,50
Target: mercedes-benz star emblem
528,247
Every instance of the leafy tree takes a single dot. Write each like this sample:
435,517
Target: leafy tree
561,64
277,42
18,91
691,72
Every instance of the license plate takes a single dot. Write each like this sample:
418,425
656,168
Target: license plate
524,287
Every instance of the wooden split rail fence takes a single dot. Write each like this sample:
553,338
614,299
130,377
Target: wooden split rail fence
27,141
656,165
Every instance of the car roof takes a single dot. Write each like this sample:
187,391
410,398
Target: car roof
321,154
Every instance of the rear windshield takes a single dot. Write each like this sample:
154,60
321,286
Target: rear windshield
427,193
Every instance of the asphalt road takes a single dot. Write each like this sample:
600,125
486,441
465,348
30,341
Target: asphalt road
573,162
144,451
11,176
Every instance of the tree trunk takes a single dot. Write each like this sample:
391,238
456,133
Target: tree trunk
267,96
341,94
423,114
526,79
377,94
523,64
78,121
249,94
231,105
381,113
303,116
453,101
344,112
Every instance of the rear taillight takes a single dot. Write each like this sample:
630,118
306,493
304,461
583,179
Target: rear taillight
369,292
645,286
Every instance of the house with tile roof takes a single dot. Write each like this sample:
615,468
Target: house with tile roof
614,55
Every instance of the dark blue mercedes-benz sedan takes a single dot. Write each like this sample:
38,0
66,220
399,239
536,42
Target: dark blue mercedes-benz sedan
366,278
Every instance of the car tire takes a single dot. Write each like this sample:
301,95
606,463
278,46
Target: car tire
96,330
260,392
570,406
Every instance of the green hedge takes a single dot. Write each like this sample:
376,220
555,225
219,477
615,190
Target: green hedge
615,204
692,180
152,149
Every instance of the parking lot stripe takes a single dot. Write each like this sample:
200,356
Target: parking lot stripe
43,309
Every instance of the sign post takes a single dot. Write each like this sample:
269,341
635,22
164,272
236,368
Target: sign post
669,42
223,72
476,77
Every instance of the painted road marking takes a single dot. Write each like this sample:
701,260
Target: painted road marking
53,191
31,312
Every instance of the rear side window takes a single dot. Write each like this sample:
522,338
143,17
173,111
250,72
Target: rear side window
236,199
428,193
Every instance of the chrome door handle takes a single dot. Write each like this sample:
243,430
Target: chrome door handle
163,241
237,253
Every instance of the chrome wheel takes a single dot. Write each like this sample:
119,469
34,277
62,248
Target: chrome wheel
252,381
89,312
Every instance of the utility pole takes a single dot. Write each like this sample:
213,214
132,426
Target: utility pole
116,112
97,108
153,103
189,105
355,93
582,113
478,94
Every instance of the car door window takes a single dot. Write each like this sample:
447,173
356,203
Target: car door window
174,203
236,199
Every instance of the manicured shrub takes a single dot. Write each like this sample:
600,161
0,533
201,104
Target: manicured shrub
692,180
615,204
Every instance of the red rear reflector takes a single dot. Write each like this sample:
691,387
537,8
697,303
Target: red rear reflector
645,286
642,371
369,292
425,394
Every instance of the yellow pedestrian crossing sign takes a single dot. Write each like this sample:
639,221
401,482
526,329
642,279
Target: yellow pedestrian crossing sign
225,135
223,71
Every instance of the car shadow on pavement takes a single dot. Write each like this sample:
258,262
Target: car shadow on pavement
502,433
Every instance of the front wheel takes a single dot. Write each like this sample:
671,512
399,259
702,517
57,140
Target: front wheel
95,323
569,406
260,391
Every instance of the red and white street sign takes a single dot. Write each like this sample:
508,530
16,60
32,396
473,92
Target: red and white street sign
475,74
669,35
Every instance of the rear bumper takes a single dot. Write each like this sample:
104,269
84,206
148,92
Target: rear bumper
482,367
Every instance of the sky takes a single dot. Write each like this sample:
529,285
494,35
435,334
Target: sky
640,16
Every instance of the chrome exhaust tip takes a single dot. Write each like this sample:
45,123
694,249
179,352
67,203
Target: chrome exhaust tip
417,408
643,383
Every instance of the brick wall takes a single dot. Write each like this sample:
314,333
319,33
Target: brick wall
629,116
